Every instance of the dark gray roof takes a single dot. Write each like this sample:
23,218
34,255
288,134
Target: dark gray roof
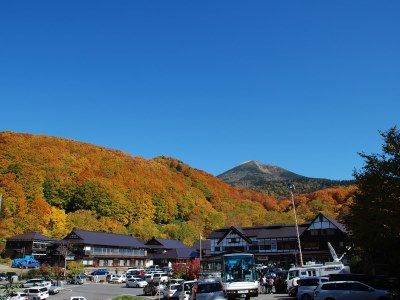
270,231
178,253
105,239
30,236
205,245
165,243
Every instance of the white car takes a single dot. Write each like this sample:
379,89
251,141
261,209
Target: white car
172,291
77,298
118,279
160,277
306,287
186,289
36,282
348,290
136,282
37,292
18,296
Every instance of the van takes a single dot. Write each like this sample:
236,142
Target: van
37,293
186,289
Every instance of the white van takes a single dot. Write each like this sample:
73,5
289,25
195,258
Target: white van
186,289
37,293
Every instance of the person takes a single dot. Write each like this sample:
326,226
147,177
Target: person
264,284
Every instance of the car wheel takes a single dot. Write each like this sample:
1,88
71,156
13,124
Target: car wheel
305,297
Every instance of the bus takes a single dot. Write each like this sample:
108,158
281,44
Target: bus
239,275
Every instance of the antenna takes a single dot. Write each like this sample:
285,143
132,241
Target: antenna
333,253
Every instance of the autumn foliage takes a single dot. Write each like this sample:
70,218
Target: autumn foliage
52,185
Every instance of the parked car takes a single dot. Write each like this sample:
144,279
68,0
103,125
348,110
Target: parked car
186,290
36,282
38,293
100,272
153,288
12,276
148,277
118,278
346,290
176,280
306,287
78,279
136,282
171,291
77,298
161,277
55,289
18,296
208,290
3,276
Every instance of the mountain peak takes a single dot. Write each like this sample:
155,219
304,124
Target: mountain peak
273,179
252,168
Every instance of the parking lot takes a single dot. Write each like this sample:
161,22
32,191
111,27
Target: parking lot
105,291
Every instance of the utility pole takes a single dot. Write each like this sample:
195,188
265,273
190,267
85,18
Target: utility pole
292,189
200,253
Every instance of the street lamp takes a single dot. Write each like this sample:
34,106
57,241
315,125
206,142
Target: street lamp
292,189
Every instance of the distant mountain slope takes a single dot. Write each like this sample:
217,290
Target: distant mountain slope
274,180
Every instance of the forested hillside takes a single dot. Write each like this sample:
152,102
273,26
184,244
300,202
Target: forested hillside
53,184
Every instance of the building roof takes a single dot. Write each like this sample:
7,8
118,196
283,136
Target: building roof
337,224
104,238
164,243
177,253
269,231
205,245
30,236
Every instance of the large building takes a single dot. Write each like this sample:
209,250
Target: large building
100,249
28,243
277,244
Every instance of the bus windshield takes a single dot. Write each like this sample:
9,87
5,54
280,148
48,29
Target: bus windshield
239,268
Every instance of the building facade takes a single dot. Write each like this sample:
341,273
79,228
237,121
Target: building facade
29,243
100,249
277,244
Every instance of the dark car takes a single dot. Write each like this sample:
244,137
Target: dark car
153,288
100,272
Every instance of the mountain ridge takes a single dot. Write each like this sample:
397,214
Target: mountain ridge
274,179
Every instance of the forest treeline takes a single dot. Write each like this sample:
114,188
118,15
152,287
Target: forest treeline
53,184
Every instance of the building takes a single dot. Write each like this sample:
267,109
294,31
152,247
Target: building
164,252
100,249
277,244
29,243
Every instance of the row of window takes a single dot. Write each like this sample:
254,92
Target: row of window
117,251
279,246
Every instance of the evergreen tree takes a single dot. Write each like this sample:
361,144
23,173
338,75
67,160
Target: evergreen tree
374,216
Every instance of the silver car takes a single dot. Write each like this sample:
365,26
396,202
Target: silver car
349,290
208,290
306,287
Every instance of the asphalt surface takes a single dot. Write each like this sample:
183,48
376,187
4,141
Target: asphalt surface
106,291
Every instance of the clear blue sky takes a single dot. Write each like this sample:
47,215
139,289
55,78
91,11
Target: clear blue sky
301,84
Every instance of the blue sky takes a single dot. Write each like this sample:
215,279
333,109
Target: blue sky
301,84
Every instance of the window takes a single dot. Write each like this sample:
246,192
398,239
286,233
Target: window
265,247
310,245
253,248
233,240
356,286
314,231
217,249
